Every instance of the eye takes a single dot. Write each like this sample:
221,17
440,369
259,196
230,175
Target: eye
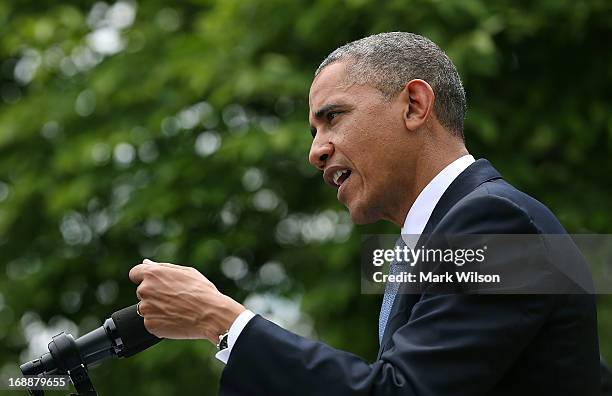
332,115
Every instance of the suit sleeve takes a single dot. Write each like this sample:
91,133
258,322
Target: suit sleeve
449,344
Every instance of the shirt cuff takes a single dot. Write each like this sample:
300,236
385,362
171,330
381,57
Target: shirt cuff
234,332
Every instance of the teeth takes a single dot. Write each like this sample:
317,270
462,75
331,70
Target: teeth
339,174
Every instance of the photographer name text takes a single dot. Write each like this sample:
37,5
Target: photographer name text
432,277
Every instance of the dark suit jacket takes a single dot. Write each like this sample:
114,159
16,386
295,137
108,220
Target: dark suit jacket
444,344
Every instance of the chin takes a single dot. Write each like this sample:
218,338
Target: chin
362,214
360,220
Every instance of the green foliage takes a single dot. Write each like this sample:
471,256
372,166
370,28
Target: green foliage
189,144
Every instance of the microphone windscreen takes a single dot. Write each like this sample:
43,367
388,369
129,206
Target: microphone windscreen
131,329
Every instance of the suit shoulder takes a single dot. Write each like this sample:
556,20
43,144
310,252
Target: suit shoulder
498,207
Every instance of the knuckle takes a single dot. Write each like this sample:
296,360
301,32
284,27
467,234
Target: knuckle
149,324
152,327
143,290
143,307
132,273
156,271
150,269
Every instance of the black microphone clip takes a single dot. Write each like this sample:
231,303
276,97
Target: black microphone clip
64,349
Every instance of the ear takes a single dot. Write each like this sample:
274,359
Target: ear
418,98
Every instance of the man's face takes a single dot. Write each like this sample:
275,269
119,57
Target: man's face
359,137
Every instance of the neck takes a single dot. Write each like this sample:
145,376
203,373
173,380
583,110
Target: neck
431,162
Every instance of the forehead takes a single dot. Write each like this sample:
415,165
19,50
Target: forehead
331,87
330,81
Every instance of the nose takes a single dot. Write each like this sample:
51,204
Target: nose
320,153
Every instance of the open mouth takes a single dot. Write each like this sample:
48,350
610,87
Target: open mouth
340,176
336,175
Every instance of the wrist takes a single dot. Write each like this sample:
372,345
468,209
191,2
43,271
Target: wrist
230,310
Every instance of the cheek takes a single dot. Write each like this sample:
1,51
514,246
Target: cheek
356,140
369,143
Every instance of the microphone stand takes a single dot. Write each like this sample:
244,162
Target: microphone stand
122,335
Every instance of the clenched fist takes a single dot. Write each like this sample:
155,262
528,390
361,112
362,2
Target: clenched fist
179,302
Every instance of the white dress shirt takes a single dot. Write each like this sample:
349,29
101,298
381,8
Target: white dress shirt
415,222
423,206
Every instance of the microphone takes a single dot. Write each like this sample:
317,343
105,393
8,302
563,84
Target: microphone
122,335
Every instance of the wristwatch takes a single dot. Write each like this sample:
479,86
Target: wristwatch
223,341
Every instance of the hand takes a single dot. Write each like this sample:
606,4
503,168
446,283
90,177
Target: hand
179,302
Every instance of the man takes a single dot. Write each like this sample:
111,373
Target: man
386,116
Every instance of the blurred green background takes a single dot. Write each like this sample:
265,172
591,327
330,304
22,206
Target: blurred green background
179,132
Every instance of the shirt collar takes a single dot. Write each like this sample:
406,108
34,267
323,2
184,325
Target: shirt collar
423,206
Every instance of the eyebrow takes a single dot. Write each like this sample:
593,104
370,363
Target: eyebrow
322,112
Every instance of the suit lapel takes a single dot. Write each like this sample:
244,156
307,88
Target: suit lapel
473,176
476,174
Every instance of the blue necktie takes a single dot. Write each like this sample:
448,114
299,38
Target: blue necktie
391,289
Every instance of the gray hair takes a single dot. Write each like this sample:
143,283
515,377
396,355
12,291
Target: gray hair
388,61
